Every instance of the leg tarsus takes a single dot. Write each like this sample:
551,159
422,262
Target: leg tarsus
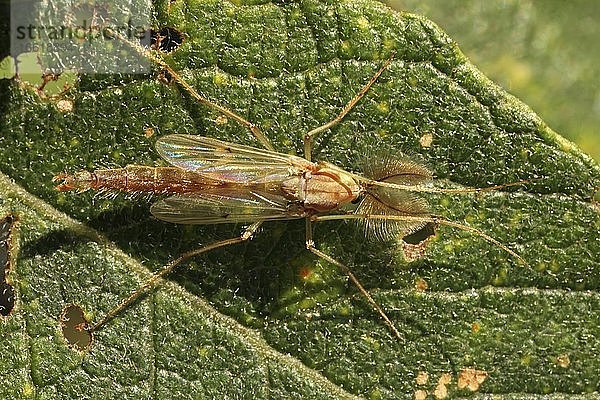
255,130
311,247
309,136
155,279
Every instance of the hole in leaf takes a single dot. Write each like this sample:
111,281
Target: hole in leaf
421,235
7,292
166,39
414,245
7,299
6,225
165,77
75,328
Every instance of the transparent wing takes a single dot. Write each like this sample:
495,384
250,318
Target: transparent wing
225,206
228,161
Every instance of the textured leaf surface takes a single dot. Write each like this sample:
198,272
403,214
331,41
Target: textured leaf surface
265,319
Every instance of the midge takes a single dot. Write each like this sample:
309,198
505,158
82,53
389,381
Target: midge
212,181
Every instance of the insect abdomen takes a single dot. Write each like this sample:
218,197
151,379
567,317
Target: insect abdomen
135,179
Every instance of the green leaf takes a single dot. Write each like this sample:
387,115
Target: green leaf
265,319
523,46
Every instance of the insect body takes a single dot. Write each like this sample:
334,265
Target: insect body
215,181
211,181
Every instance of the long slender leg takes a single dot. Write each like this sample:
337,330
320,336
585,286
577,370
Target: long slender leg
309,136
432,219
156,278
310,245
255,130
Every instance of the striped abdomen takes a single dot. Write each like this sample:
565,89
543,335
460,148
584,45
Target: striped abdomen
136,179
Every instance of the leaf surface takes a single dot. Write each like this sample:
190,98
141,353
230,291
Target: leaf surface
265,319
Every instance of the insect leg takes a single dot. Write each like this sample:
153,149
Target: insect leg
155,279
310,245
431,219
309,136
255,130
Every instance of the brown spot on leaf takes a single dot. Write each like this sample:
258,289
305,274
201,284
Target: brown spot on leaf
305,272
421,284
64,106
221,120
563,360
441,390
471,378
422,378
426,140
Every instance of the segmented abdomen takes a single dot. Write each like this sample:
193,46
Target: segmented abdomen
137,178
